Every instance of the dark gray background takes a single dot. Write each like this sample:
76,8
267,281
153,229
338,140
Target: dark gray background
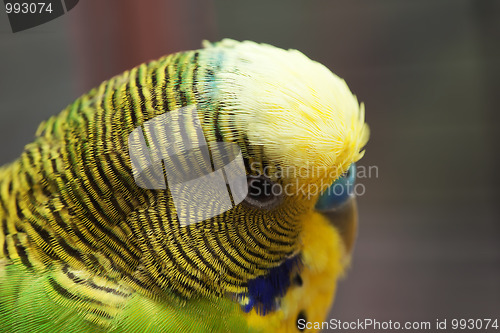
428,72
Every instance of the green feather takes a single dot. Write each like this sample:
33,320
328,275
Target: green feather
29,303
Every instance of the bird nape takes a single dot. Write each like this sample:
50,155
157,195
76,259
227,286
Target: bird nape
190,193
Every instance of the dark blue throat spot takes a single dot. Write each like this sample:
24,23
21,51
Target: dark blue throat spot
264,292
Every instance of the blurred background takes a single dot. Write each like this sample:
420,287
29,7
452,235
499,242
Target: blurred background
428,72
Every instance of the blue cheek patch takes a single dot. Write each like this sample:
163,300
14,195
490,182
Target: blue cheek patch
265,291
339,192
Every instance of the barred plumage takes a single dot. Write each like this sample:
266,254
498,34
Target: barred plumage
73,217
83,200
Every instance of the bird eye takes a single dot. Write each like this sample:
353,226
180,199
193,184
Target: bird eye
339,192
262,192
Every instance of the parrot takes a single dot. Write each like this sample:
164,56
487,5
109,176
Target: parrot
85,246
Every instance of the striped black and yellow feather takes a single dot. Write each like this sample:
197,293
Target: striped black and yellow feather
84,248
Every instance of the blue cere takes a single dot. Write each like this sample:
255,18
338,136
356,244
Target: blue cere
339,191
264,291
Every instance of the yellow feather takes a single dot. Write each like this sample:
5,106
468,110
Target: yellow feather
325,259
302,114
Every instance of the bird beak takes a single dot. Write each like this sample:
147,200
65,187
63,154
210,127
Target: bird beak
345,219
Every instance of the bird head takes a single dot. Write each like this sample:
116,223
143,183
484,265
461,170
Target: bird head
299,129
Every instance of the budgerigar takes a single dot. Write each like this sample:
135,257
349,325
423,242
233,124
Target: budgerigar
84,247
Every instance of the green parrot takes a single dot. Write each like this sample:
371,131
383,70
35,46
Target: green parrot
104,229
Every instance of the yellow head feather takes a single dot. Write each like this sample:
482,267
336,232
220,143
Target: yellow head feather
303,115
